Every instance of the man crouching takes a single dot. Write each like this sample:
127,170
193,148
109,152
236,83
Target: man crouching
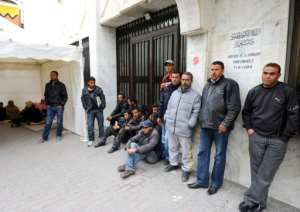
141,147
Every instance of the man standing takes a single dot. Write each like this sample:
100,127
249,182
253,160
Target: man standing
93,102
169,69
181,117
56,97
165,95
270,116
220,106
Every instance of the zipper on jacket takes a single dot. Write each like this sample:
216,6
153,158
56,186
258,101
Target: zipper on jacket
176,112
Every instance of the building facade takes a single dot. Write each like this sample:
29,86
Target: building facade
129,39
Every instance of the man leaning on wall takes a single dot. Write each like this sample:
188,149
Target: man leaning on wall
270,117
180,118
220,106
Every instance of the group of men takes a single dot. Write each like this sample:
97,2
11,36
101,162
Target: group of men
270,117
32,113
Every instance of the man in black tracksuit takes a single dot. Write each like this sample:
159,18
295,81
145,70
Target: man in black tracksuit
56,97
270,116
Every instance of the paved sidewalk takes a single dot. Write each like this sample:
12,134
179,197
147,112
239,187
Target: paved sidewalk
70,177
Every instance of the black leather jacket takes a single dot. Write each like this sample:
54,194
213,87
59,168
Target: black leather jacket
220,103
56,93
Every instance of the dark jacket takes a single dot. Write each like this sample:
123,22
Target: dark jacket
135,124
272,111
164,97
2,114
89,99
31,114
220,104
146,142
120,109
55,93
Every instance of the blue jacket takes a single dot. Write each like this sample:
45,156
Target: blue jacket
164,97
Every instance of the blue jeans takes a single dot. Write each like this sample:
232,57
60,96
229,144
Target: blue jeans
133,159
91,115
164,140
207,137
51,112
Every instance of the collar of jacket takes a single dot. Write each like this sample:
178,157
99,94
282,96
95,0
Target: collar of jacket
217,81
54,82
181,90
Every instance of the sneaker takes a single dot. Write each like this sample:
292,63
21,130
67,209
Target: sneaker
58,139
122,168
171,168
41,140
90,143
127,174
185,176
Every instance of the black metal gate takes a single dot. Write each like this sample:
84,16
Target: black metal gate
142,48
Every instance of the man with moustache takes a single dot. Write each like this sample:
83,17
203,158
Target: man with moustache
220,106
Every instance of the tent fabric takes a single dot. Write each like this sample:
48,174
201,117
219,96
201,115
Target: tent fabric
67,60
11,49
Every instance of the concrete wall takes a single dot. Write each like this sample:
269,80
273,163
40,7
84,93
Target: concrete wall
213,38
20,83
271,19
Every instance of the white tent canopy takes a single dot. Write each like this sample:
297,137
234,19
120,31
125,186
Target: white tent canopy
24,71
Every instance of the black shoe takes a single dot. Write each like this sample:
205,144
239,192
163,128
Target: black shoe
122,168
256,208
166,162
243,207
101,143
111,150
171,168
127,174
212,190
185,176
196,185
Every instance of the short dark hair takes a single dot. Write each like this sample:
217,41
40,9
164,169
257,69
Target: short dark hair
188,74
55,72
274,65
133,99
136,108
220,63
121,94
154,105
128,111
176,72
91,79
